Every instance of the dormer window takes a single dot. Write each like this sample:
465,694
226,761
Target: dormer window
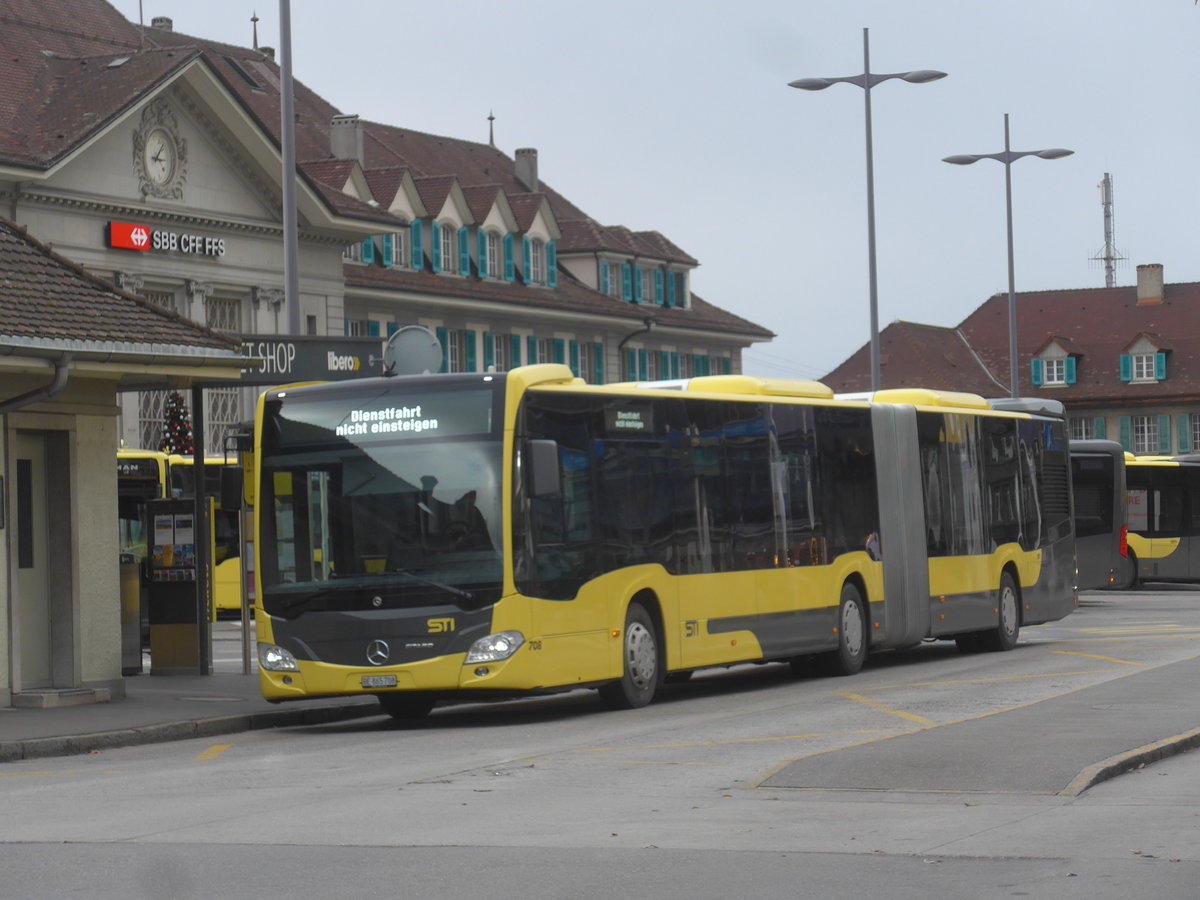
493,254
1052,367
1054,371
537,261
1143,366
1144,362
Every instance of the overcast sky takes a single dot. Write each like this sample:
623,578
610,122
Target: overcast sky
675,116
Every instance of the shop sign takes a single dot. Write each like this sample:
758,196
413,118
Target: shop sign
138,236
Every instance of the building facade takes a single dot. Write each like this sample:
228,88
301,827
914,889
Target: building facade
152,161
1124,361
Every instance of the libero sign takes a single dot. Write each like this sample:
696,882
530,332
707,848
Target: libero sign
138,236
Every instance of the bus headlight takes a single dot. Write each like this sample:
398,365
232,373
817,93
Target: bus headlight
275,659
495,647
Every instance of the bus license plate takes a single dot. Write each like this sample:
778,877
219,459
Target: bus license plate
374,681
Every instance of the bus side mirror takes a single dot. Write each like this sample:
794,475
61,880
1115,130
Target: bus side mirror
541,459
231,487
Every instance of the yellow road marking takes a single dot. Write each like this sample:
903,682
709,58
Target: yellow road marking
910,684
213,752
884,708
757,740
1111,659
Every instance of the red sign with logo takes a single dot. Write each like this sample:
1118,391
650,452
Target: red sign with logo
129,236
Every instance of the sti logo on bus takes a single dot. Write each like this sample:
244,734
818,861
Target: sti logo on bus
438,626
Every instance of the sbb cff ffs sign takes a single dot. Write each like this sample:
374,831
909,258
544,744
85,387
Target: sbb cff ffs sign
137,236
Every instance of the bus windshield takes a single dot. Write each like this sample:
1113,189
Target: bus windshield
376,499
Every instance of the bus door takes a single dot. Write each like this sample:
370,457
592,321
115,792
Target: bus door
1155,512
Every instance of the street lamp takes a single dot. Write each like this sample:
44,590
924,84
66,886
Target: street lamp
1008,157
866,81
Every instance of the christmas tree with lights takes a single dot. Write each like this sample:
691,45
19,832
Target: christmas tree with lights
177,427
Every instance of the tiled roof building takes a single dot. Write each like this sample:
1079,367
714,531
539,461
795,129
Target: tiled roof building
1125,361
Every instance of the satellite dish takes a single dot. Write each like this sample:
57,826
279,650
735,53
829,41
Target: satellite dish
412,350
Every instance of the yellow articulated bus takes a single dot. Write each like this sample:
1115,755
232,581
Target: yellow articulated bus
1163,519
461,536
150,474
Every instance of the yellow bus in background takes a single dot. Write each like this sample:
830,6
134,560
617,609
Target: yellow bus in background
150,474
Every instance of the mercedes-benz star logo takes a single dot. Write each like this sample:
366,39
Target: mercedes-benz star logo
378,653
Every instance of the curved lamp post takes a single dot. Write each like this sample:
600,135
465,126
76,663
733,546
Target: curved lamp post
1008,157
866,81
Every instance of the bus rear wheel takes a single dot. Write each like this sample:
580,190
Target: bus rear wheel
851,651
642,666
1008,615
406,707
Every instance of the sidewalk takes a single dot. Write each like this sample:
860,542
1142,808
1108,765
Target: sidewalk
160,708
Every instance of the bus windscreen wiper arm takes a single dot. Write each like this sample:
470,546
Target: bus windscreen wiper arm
448,588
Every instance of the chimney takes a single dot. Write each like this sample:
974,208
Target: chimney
1149,284
162,23
346,138
268,52
526,168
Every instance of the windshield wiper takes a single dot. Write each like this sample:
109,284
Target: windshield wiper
440,585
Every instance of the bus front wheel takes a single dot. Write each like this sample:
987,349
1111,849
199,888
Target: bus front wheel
851,651
1008,617
1127,578
642,663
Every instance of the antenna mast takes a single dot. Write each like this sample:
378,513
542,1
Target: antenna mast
1110,256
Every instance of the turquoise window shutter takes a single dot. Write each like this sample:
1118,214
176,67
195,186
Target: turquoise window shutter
531,345
573,357
1070,370
659,294
388,251
1160,365
372,328
670,289
603,277
598,362
464,252
674,363
1164,434
1183,432
489,351
469,340
727,365
1126,367
509,265
559,350
514,347
392,328
1125,430
481,246
418,252
1035,371
435,248
630,364
1099,427
551,264
664,364
368,250
643,365
443,336
526,263
346,327
637,284
626,281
